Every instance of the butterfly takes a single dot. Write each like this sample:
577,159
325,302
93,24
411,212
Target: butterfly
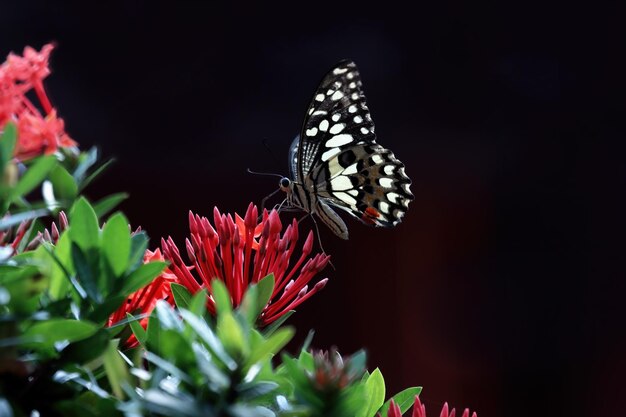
336,162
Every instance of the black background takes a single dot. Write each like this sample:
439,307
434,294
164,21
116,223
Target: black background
503,288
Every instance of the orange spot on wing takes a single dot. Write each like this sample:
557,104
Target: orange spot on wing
370,215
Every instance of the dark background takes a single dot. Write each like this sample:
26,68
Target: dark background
503,288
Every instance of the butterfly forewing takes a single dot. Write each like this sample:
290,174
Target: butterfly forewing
337,154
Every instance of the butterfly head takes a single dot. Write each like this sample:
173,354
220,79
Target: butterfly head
285,184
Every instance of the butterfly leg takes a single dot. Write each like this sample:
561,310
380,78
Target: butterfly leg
319,237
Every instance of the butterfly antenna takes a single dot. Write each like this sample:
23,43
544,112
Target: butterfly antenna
269,174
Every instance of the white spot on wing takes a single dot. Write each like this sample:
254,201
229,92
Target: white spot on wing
351,169
352,109
324,125
377,159
338,71
352,85
353,193
337,128
350,75
337,95
319,97
384,207
358,119
330,153
405,187
346,198
386,182
336,117
341,183
355,96
319,112
311,132
365,130
394,197
388,169
339,140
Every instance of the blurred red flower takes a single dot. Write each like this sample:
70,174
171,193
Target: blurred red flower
241,252
419,410
143,301
37,133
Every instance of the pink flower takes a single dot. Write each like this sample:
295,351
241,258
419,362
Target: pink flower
419,410
37,133
241,252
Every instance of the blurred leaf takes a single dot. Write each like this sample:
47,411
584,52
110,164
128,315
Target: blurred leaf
33,176
205,333
404,399
5,408
271,346
84,229
277,323
374,394
256,298
7,145
138,330
221,297
138,246
85,182
87,271
108,203
56,330
86,161
182,297
116,369
197,305
87,349
116,243
142,276
18,218
231,335
253,390
63,183
60,275
102,311
167,318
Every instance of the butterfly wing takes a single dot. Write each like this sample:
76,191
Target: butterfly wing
338,153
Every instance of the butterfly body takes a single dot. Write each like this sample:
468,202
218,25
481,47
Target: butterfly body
336,162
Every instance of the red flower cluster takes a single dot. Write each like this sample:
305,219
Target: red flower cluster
143,301
419,410
241,252
37,133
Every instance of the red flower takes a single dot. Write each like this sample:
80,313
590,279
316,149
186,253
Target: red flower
143,301
230,252
419,410
37,133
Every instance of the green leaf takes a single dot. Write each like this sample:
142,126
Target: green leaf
84,229
87,159
374,394
197,305
142,276
116,243
56,330
84,183
63,184
87,271
108,203
271,346
404,399
33,176
7,144
138,246
231,334
221,297
87,349
182,297
101,312
277,323
116,369
202,329
138,330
